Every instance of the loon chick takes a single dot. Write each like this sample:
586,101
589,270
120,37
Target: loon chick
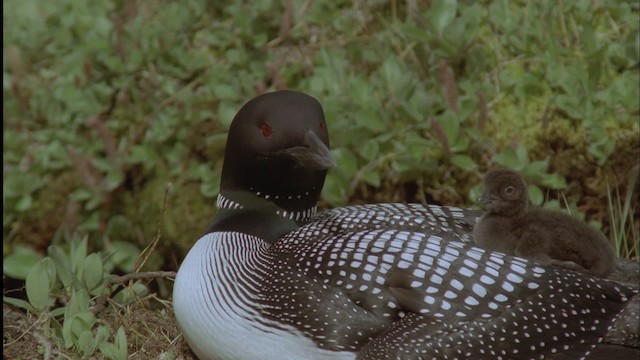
547,237
269,280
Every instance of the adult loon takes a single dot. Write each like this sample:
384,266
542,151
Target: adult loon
272,280
511,227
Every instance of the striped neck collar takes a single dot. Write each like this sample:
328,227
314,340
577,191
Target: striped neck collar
258,201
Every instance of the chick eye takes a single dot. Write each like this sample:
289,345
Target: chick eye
266,130
509,190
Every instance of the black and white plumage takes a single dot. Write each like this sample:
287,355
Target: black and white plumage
548,237
371,281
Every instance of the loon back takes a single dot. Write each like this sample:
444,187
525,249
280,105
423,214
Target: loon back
433,296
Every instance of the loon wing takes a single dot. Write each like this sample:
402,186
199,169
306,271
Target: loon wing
489,302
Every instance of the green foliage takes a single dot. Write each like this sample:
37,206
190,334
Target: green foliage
116,350
68,272
38,284
105,102
19,262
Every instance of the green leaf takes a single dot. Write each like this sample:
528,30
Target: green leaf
413,32
474,194
347,163
210,187
535,169
570,105
602,148
460,145
87,343
130,293
121,343
370,150
77,318
38,284
500,14
19,303
81,322
226,112
18,264
554,181
93,270
66,330
442,13
124,255
140,154
57,312
450,125
372,178
334,190
393,73
522,155
95,201
225,91
509,159
113,179
24,203
102,334
375,122
62,263
77,257
78,303
81,194
535,195
553,205
51,270
109,350
464,162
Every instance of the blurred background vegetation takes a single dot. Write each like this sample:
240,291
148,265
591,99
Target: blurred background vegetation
106,102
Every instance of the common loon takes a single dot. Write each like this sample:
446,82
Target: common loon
273,280
545,236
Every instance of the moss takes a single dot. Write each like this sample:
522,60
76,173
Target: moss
514,122
51,208
187,216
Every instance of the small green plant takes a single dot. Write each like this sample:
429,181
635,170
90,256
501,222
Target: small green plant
624,228
18,263
65,290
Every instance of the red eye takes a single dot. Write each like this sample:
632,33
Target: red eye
266,130
321,126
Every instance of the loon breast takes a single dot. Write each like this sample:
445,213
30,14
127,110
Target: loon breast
217,304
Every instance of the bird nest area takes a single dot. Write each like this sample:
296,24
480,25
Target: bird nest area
149,324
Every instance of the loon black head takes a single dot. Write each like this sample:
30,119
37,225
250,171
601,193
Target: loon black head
505,193
276,160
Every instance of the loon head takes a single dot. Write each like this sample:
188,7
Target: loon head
505,192
276,158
